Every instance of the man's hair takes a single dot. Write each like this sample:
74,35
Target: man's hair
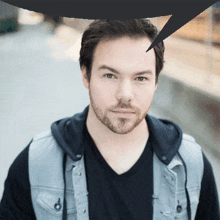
100,30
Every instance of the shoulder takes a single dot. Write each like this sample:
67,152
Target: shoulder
19,168
191,153
43,136
190,148
208,207
187,137
194,151
43,149
208,177
16,199
45,155
42,145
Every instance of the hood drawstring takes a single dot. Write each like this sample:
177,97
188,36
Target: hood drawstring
186,190
64,180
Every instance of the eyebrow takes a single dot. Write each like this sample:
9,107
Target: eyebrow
115,71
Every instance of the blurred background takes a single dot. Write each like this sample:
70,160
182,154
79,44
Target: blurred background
40,79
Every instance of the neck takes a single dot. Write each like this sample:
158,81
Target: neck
121,151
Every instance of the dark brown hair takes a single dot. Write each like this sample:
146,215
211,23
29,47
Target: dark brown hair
111,29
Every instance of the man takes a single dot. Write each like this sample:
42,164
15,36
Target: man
113,160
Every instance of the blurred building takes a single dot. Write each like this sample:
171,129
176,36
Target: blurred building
8,18
78,24
202,27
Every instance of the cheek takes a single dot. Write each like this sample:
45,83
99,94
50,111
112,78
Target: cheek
103,88
101,94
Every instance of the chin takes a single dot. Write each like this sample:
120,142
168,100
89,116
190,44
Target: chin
124,126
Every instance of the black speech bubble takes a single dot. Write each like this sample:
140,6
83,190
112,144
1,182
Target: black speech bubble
182,11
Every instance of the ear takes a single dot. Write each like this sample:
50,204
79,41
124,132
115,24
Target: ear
84,77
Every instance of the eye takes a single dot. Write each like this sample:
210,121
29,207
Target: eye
141,79
109,75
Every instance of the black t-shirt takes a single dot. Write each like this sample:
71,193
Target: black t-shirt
118,197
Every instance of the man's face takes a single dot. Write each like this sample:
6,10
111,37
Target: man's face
122,83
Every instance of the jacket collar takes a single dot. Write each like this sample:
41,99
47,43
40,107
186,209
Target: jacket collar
70,134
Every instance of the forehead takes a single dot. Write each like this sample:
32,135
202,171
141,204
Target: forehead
125,52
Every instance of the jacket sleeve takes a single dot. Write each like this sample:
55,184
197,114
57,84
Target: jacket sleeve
16,200
208,208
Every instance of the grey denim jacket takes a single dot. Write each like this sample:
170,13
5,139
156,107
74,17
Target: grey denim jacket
185,171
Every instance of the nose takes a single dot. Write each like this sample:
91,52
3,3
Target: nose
125,91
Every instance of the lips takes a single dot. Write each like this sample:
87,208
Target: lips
124,111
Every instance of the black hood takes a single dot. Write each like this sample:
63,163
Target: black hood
166,137
70,133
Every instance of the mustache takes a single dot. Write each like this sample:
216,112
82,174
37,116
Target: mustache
124,105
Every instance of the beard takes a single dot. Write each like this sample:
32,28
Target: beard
116,124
